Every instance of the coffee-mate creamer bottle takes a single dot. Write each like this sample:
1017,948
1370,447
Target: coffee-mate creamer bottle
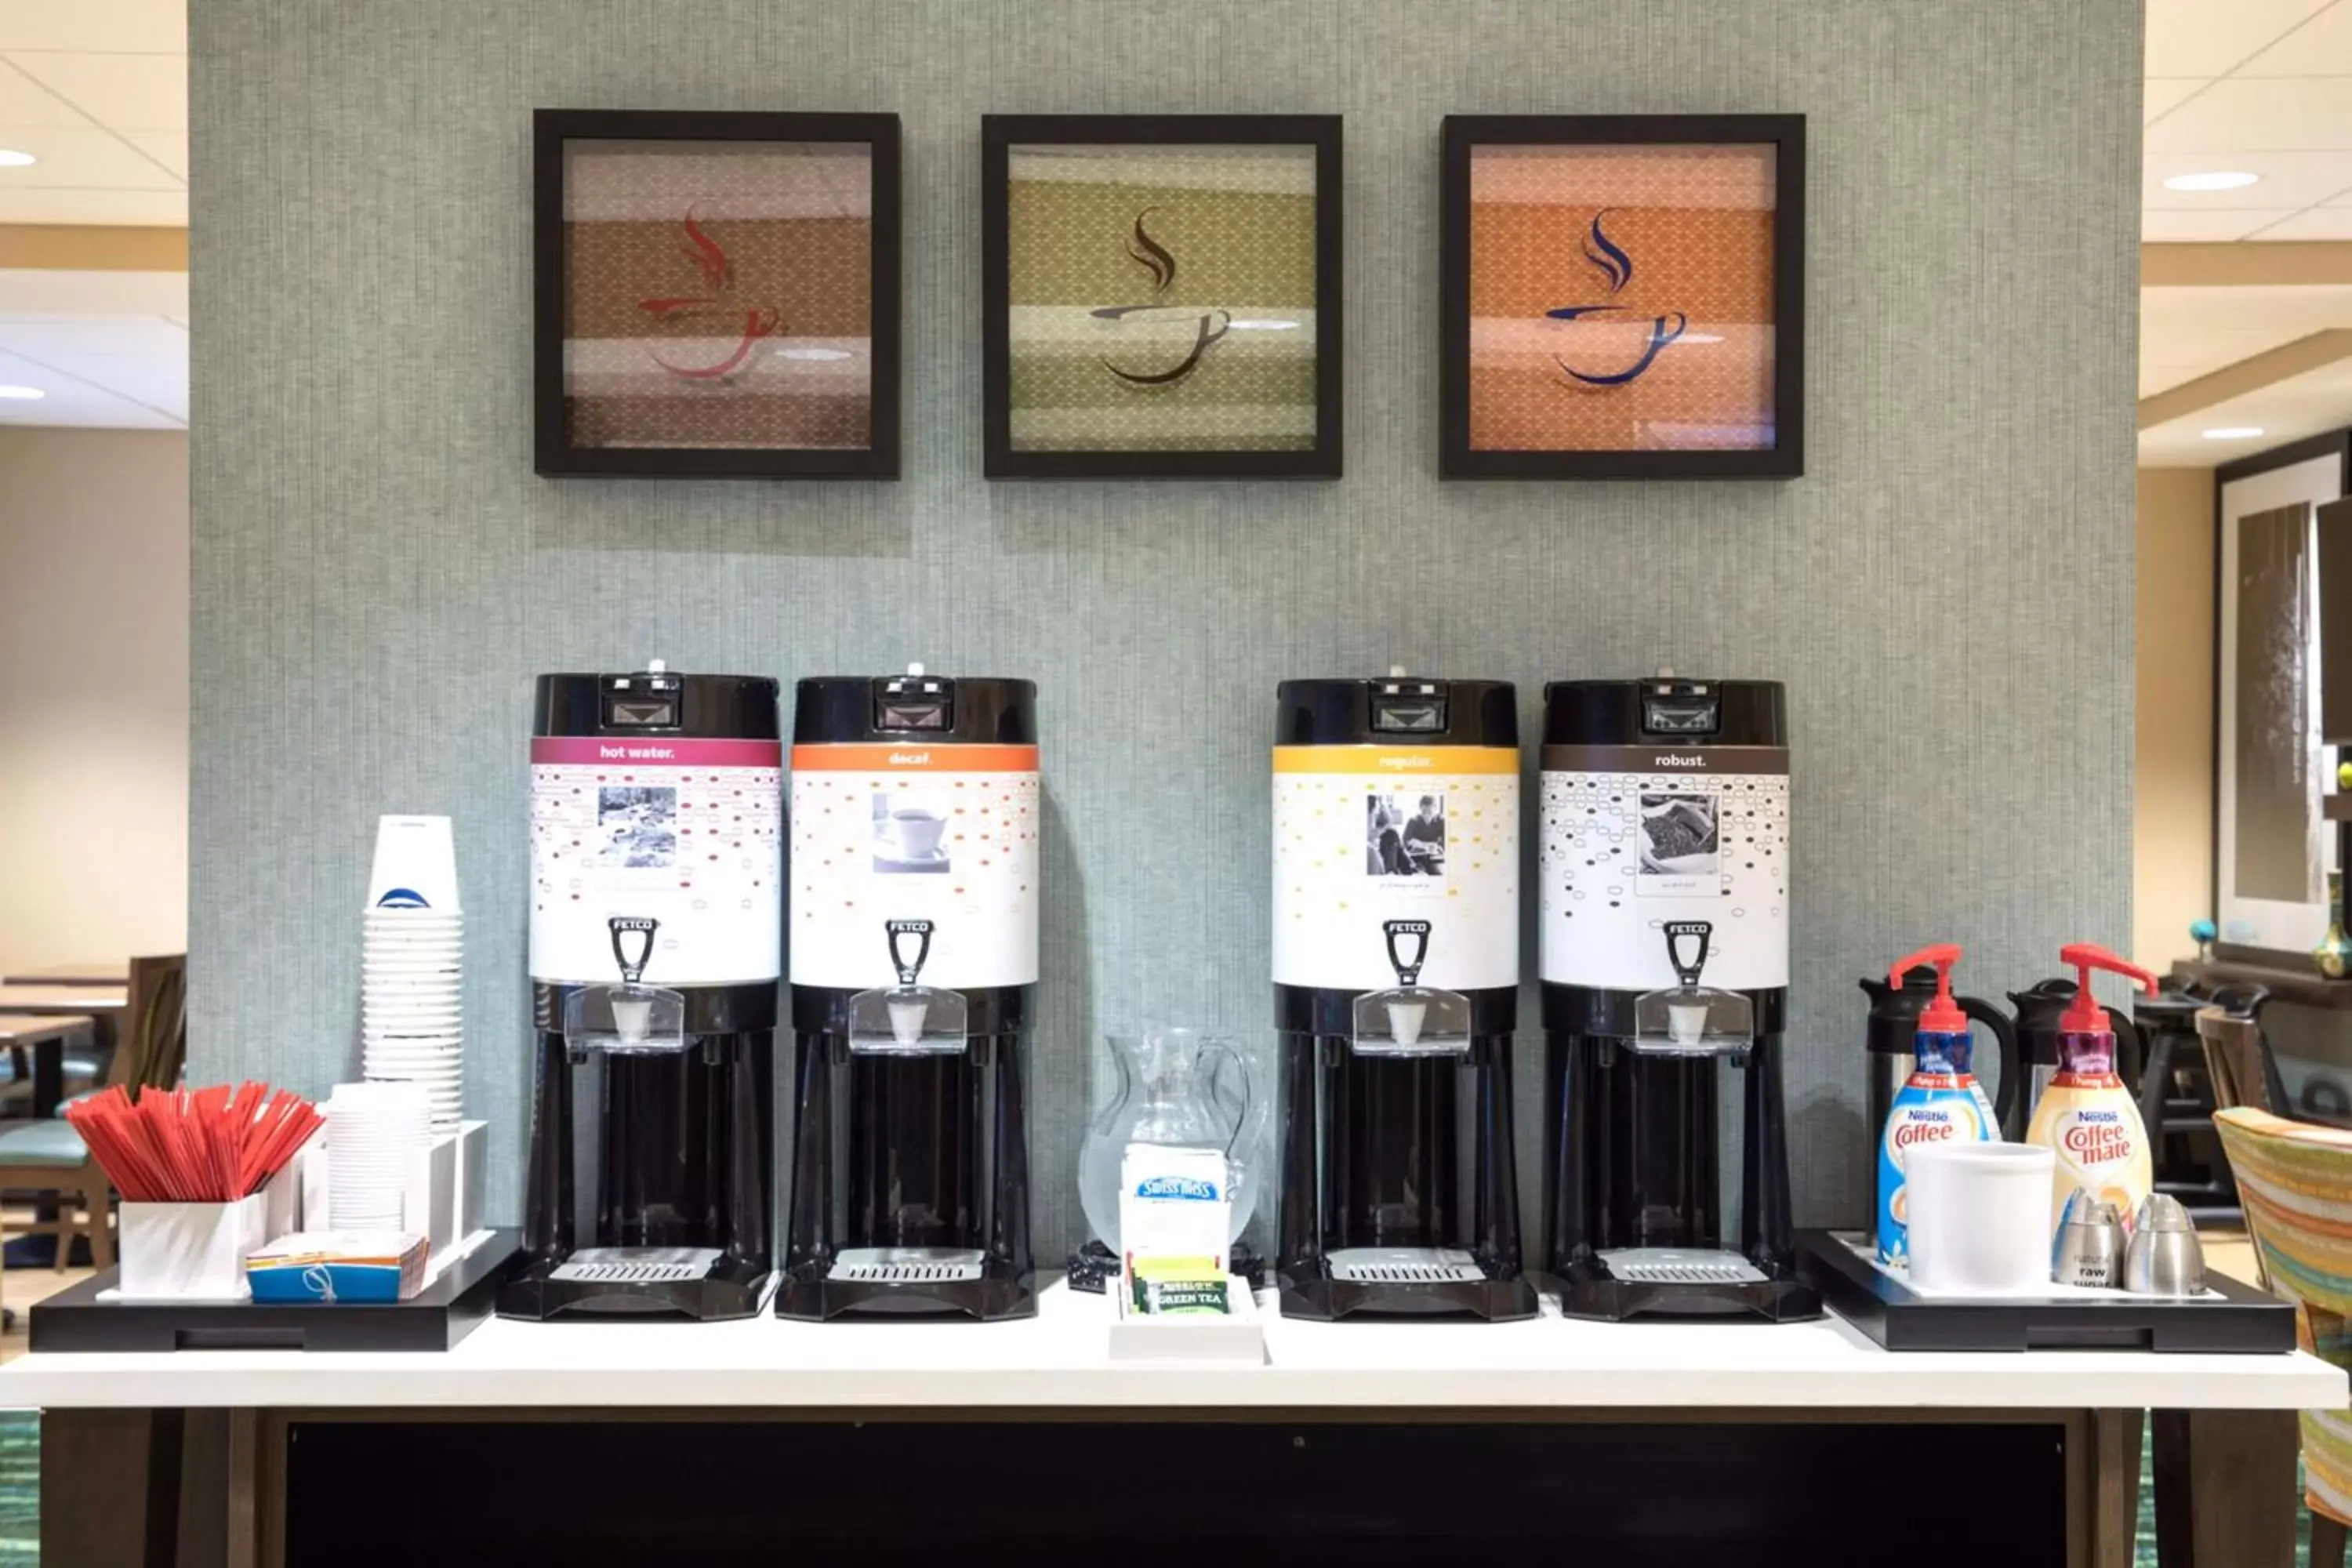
2086,1116
1940,1102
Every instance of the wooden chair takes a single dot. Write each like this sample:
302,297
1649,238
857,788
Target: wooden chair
2295,1180
49,1155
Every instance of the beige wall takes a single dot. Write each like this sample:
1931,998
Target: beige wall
93,695
2172,789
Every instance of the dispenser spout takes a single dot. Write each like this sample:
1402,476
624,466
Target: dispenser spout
906,1016
1942,1016
2084,1016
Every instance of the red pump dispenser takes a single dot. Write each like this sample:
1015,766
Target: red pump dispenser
2083,1015
1942,1016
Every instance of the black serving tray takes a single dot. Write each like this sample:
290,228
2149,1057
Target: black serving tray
2245,1321
435,1318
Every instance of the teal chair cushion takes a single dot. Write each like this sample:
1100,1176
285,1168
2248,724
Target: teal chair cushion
42,1143
69,1101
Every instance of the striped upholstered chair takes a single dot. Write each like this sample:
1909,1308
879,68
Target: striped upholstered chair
2295,1181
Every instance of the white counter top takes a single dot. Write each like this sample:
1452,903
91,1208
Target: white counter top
1059,1360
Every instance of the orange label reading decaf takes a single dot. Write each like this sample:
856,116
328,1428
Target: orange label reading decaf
915,759
1402,761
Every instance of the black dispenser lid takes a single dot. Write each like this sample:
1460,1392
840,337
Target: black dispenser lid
1667,707
657,700
1396,710
832,710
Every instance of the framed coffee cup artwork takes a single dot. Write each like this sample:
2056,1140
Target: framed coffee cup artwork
717,294
1623,297
1161,296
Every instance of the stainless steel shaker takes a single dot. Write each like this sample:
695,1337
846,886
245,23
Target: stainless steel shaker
2089,1247
2165,1257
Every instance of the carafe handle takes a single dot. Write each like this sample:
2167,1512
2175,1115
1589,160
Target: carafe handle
1249,1089
2013,1073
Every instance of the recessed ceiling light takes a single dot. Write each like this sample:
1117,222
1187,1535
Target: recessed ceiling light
11,158
2213,180
23,393
2232,432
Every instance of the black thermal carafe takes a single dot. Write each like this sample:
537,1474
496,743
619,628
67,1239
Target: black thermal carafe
1663,951
656,835
1396,970
913,935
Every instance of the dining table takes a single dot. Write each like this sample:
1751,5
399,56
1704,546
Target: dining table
103,1004
83,971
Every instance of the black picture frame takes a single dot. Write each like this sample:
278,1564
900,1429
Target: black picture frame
1000,133
1461,133
553,456
2336,444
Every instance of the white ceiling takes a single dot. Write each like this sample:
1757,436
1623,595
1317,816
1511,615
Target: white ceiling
2262,86
96,90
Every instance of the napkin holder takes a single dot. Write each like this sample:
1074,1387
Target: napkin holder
191,1252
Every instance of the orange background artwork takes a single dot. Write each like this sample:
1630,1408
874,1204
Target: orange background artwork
1697,223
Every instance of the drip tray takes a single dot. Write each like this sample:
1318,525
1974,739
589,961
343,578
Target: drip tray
636,1265
1406,1266
906,1266
1674,1265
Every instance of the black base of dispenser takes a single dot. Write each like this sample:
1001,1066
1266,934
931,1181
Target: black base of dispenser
1000,1294
1319,1297
1588,1291
731,1289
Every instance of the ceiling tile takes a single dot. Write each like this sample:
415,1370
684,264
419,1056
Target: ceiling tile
169,148
2272,114
69,400
2165,94
140,26
2207,38
125,92
148,338
2319,223
2323,44
79,158
23,102
2288,179
166,209
2162,227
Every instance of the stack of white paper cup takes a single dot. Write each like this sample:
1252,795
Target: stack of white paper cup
373,1131
412,967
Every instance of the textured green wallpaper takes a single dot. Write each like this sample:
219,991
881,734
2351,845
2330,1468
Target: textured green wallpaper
378,574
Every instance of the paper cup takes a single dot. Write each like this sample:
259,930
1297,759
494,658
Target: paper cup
415,864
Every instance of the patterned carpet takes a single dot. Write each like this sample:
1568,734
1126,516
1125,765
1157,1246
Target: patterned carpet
20,1488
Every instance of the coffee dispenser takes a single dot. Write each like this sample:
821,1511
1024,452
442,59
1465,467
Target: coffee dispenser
914,955
1664,960
1396,970
656,817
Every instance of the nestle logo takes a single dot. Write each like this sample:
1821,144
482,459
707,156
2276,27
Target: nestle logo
1675,762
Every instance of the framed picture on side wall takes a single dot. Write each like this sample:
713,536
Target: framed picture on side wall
717,294
1161,296
1623,297
2273,847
